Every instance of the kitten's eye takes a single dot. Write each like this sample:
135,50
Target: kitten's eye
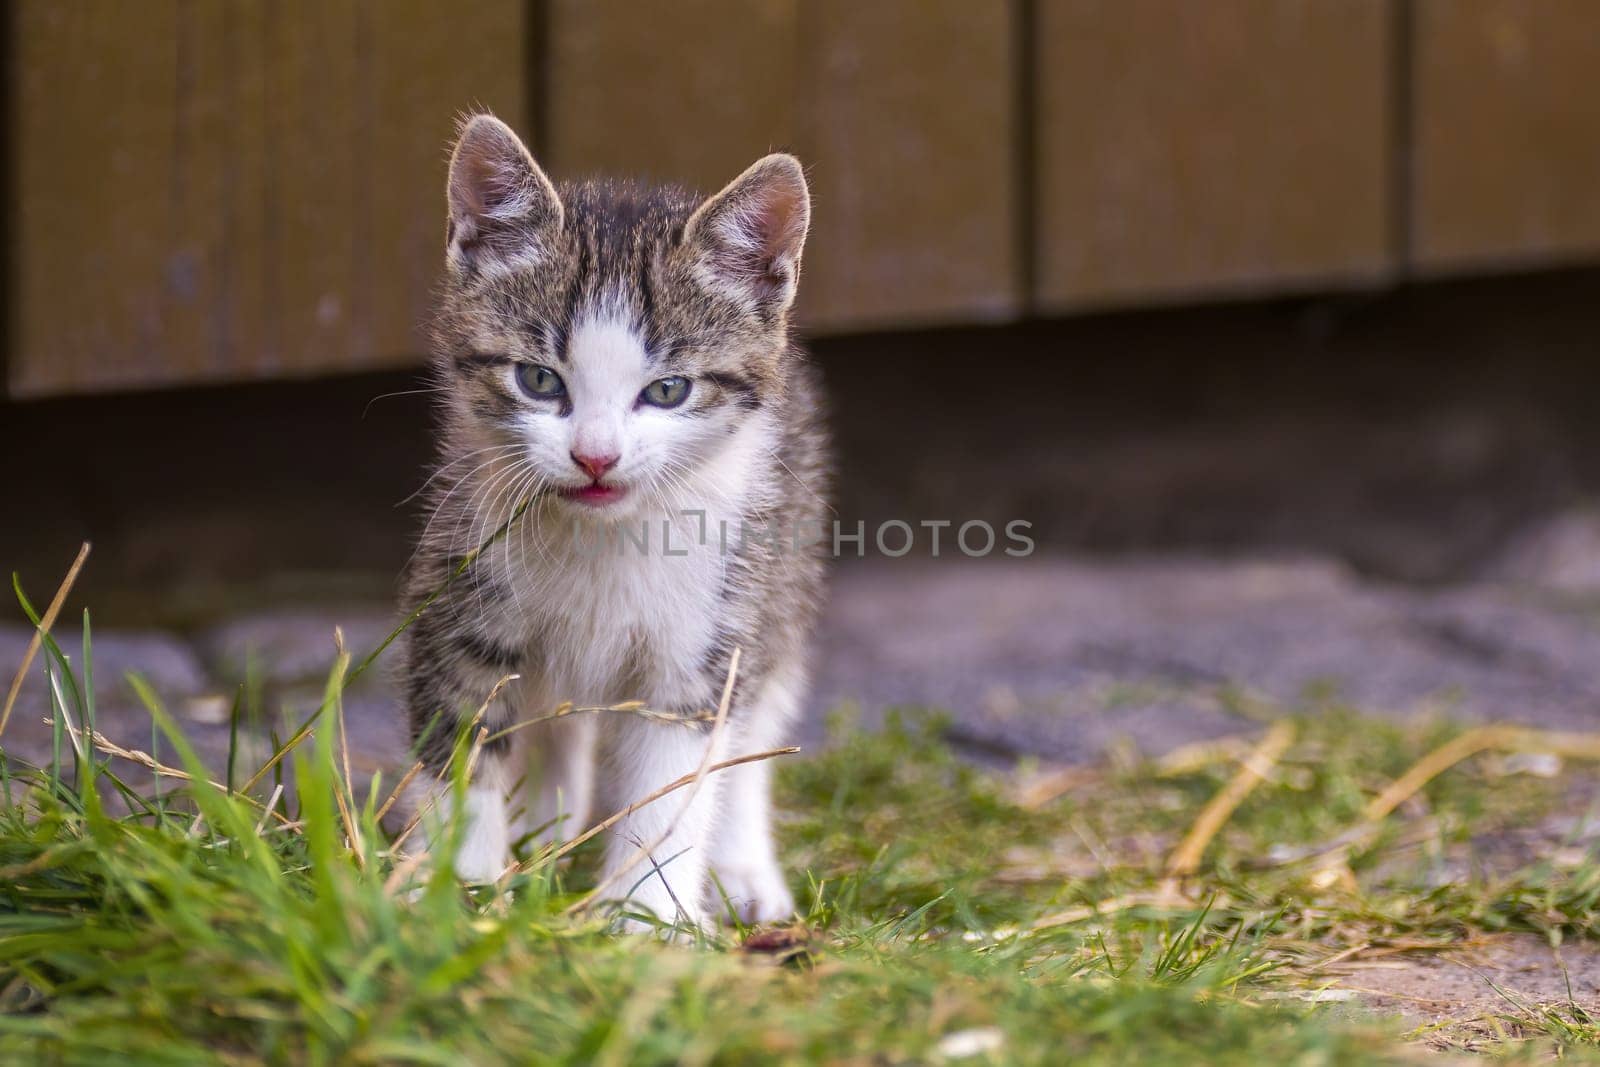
540,381
666,392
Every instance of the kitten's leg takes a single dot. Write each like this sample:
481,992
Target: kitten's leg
484,848
744,856
454,662
557,792
669,879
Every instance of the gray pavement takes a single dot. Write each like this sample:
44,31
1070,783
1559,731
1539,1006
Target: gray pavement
1058,658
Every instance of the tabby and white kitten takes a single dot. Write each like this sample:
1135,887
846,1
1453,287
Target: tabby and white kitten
620,356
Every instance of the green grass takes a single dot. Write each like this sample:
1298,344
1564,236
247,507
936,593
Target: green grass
201,928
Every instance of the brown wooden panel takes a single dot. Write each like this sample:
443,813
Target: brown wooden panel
690,92
211,192
912,133
1188,148
1507,132
900,110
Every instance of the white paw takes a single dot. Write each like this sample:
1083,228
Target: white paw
485,849
647,913
481,862
756,893
683,932
653,903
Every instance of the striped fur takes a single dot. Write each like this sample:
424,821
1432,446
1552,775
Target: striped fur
612,286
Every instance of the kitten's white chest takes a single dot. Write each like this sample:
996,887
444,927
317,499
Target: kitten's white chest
630,610
625,617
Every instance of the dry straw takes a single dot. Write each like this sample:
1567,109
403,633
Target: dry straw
45,622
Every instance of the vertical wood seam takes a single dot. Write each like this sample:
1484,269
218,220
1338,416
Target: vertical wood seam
1025,155
538,114
1401,138
10,149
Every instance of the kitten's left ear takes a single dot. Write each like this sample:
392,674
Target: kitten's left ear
749,237
503,210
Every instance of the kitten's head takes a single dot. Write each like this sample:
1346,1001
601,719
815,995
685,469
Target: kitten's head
612,340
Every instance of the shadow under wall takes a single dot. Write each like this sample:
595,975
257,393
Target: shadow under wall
1409,433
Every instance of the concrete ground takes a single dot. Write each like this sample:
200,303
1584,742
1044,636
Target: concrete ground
1059,658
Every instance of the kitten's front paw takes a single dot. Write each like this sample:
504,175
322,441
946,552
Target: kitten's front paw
683,932
654,907
484,849
481,863
632,917
756,893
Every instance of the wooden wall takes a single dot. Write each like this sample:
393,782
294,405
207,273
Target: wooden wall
901,109
1506,134
221,191
1187,150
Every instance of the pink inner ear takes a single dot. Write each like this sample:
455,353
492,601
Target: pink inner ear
771,224
759,232
782,213
478,174
487,182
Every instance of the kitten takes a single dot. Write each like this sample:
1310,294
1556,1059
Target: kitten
617,359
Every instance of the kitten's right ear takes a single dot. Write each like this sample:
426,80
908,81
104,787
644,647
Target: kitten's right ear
749,236
503,210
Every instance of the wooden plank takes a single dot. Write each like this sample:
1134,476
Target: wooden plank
255,190
912,135
1190,149
900,109
692,92
1507,156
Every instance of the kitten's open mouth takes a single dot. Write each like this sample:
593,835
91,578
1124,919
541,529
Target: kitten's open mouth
595,494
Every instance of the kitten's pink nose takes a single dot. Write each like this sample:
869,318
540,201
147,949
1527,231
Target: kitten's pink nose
595,466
